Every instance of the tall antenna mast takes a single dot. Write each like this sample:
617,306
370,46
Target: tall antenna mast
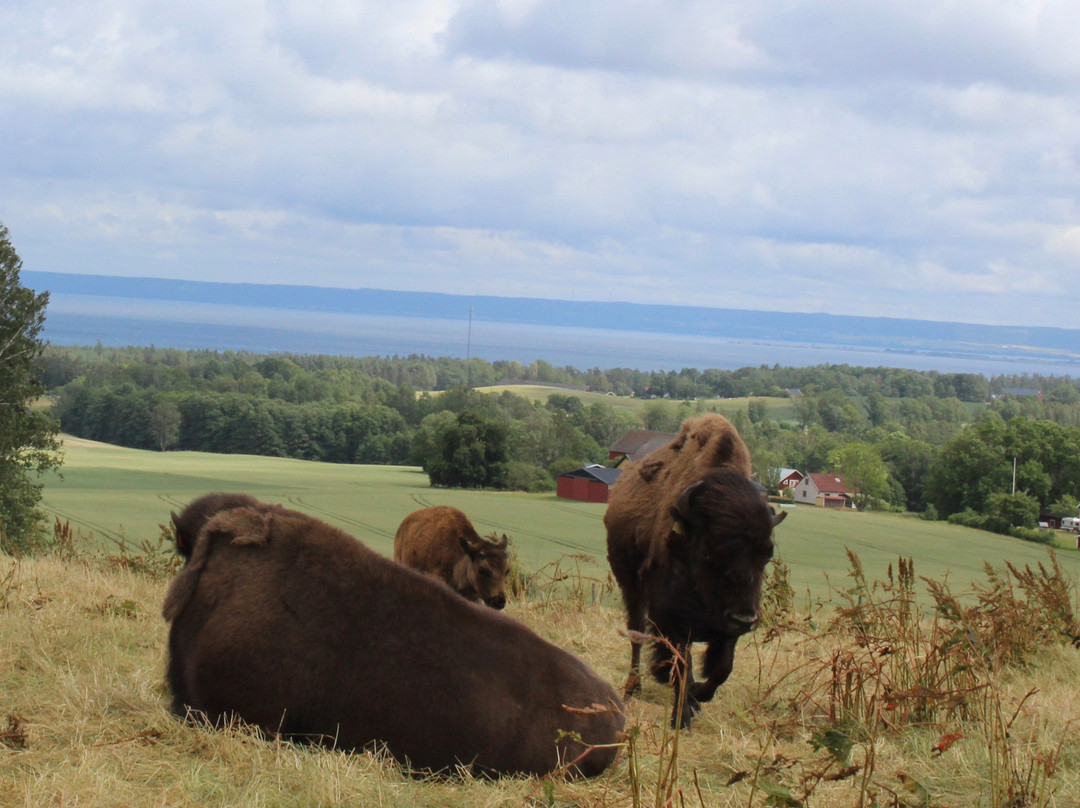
468,344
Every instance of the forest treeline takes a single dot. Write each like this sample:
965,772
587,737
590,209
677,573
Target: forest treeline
905,438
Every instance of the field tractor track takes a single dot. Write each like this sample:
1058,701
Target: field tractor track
100,530
599,517
365,526
514,532
422,500
171,501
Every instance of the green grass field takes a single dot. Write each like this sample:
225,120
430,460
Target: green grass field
115,493
933,722
780,409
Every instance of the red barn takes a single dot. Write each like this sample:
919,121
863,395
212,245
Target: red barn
587,484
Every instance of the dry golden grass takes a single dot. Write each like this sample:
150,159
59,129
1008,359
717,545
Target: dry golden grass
84,719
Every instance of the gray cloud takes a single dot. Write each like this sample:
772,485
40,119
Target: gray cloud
902,159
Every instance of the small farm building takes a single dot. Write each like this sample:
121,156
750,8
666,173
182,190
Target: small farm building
587,484
637,443
789,478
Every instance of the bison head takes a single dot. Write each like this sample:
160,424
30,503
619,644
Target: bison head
190,521
722,535
488,564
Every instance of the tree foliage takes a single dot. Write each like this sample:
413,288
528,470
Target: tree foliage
863,469
931,431
978,464
468,452
28,445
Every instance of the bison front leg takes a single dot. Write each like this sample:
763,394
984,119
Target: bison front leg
635,623
719,660
686,703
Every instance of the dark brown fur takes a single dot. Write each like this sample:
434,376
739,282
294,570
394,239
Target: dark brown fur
187,525
296,627
689,536
441,541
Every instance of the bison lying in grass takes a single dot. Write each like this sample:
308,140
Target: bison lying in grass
294,626
689,536
442,542
187,525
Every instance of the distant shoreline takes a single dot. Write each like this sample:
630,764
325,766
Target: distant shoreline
85,309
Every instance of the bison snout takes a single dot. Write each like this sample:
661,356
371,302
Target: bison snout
741,623
497,602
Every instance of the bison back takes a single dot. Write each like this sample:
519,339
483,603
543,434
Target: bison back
639,502
428,539
313,635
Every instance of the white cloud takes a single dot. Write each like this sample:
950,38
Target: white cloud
997,278
875,158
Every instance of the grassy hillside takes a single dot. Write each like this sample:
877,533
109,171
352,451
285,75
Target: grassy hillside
117,493
780,409
827,707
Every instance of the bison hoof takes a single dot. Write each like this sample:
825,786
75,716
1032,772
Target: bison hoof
683,720
632,686
699,692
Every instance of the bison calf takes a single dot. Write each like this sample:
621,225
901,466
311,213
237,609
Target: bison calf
442,542
689,536
296,627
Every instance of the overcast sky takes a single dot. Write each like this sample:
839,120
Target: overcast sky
905,159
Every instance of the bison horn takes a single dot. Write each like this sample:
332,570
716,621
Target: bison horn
777,518
683,504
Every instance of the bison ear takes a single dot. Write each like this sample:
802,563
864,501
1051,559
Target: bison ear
683,509
181,542
502,542
468,546
680,526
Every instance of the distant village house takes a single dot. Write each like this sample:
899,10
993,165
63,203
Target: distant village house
825,490
592,483
789,478
637,443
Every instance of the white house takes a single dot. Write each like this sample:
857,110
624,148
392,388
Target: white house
825,490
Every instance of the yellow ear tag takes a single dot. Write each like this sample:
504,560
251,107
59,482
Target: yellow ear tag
677,528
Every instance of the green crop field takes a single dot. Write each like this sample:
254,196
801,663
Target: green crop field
115,493
829,707
781,409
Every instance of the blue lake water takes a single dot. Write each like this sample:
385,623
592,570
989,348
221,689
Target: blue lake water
86,320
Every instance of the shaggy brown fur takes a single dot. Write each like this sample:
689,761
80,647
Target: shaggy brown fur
187,525
441,541
296,627
689,536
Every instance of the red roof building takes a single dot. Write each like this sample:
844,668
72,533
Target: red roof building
637,443
825,490
587,484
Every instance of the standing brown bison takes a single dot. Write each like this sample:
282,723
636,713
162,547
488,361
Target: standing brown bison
441,541
689,536
296,627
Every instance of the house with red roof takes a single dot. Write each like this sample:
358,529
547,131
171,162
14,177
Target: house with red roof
789,478
637,443
588,484
825,490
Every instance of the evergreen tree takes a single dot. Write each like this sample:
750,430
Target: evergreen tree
28,444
